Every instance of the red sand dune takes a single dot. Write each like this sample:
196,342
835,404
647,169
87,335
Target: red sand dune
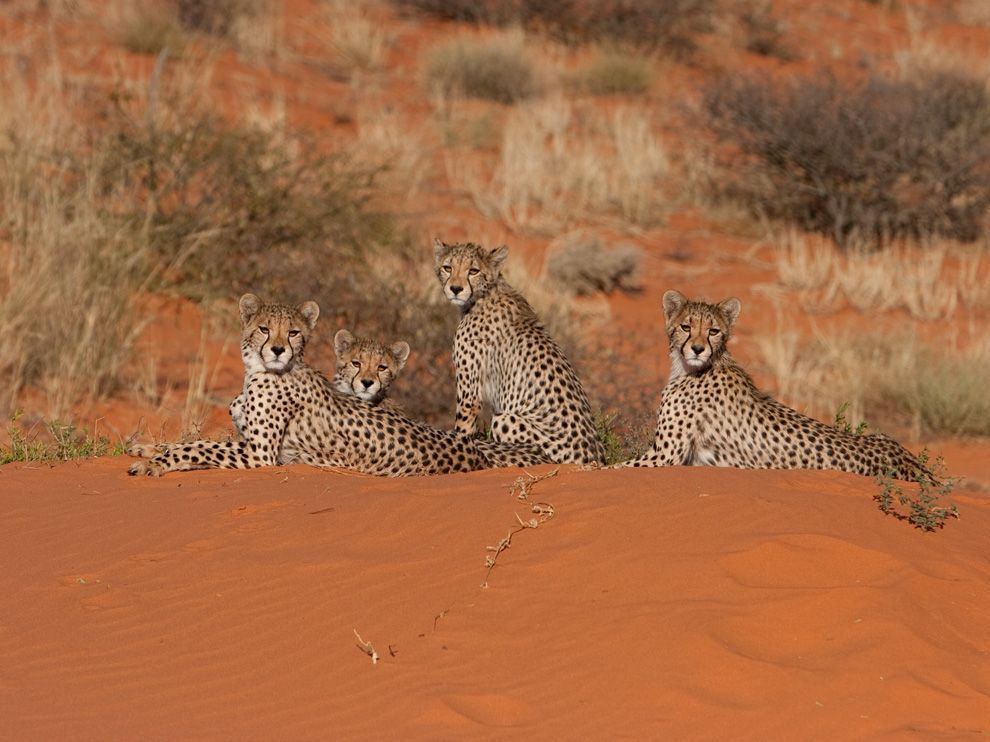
685,603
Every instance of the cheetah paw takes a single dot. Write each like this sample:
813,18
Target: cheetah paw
146,450
148,468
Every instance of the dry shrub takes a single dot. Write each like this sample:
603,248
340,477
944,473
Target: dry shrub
671,25
892,381
582,264
228,207
865,161
928,281
218,17
146,26
68,267
549,173
495,69
615,73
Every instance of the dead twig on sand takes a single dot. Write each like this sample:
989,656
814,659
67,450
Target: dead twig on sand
367,648
544,511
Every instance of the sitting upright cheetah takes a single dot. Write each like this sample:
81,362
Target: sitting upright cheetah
292,413
367,368
504,358
711,413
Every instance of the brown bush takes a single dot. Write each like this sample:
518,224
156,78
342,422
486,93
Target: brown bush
666,24
871,160
584,265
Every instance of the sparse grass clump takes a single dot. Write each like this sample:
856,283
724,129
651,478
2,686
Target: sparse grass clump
892,380
615,73
62,443
865,161
549,173
584,265
496,69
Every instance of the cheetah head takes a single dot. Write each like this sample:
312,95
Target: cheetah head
698,331
366,368
467,271
274,335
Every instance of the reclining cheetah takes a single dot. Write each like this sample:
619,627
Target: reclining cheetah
292,413
711,413
365,369
504,358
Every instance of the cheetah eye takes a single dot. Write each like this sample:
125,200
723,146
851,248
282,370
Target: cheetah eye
383,368
293,333
474,271
356,364
714,331
686,327
445,268
263,329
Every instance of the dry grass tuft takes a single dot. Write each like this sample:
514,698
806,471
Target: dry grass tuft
549,172
146,27
615,73
359,39
496,69
68,267
892,381
928,282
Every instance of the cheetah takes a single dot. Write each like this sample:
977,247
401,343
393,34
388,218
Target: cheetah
365,369
505,359
711,413
293,414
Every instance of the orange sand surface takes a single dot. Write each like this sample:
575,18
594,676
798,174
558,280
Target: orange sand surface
686,603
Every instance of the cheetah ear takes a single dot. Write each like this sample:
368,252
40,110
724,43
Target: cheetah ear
310,311
342,342
730,308
439,248
673,302
249,306
498,255
400,352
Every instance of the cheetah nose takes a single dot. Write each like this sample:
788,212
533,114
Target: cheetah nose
277,350
367,382
455,290
698,349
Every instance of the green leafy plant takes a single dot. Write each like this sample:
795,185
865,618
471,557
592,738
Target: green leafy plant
844,425
926,509
64,442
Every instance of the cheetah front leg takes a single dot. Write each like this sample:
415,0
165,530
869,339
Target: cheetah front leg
672,443
468,400
264,429
236,410
196,455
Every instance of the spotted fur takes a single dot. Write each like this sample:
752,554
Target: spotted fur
292,413
367,368
711,412
506,360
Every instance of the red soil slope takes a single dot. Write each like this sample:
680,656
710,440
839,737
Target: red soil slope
686,603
